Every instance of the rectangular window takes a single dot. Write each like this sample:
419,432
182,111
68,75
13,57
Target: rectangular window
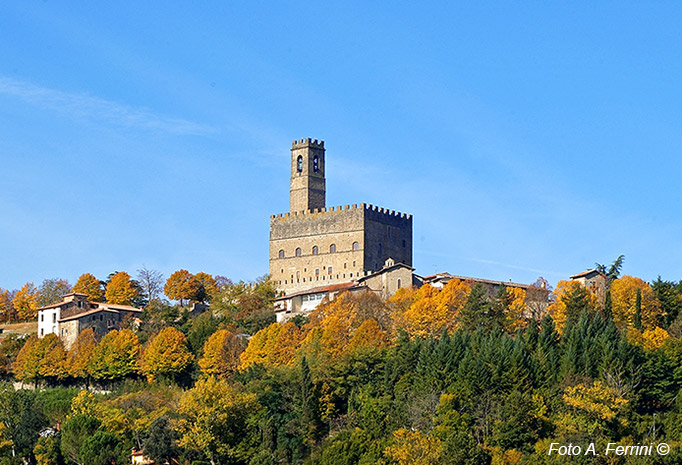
329,270
54,318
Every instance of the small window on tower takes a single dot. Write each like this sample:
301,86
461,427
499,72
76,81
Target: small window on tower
298,251
299,164
315,250
316,164
332,248
281,254
356,246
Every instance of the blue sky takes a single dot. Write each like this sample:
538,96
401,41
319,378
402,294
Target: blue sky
527,138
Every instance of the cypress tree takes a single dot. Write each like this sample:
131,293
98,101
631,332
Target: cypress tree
608,307
638,310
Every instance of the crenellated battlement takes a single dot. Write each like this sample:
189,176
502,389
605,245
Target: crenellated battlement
341,208
307,142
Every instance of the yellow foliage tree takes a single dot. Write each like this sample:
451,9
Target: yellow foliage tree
368,336
166,355
26,302
514,319
80,353
414,448
624,296
649,339
121,290
41,358
430,311
6,307
593,406
89,285
208,284
272,346
557,309
53,362
115,356
212,416
221,353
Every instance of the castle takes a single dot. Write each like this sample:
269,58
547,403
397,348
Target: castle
314,245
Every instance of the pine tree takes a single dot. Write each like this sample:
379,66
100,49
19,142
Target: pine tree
475,312
608,307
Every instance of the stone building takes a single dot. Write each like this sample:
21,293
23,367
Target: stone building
316,246
75,313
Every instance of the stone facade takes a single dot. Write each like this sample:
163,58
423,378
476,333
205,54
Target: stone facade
313,245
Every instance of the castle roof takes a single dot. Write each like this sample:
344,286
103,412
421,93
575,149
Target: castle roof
322,289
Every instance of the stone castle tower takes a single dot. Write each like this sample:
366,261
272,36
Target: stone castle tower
314,246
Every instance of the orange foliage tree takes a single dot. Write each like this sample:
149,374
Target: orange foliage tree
80,353
221,353
41,358
624,296
89,285
272,346
208,284
6,308
558,309
428,311
183,286
166,355
121,289
26,302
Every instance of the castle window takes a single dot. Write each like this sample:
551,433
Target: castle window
281,254
298,275
298,251
379,248
316,164
332,248
54,318
356,246
315,250
345,265
404,243
399,283
329,270
42,316
317,272
353,264
299,164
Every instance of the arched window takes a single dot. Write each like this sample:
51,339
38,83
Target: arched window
332,248
281,254
399,283
379,248
298,251
299,163
316,164
315,250
356,246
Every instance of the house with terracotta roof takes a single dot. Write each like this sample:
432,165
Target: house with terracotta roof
75,313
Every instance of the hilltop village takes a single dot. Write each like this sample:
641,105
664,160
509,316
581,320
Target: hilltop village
342,354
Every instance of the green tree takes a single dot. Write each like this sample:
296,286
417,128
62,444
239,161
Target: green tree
47,451
476,313
75,431
22,415
160,444
103,448
638,310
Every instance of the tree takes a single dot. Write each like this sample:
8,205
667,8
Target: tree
167,355
570,298
52,290
151,282
41,358
160,444
89,285
115,356
414,448
102,448
213,419
613,271
75,431
26,302
221,353
80,354
638,311
183,286
478,312
22,415
47,450
6,307
121,289
208,284
624,295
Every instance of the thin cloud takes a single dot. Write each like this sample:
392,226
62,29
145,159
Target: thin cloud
94,108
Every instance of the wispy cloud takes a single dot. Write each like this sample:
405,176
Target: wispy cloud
91,108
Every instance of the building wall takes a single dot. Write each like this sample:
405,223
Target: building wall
339,226
379,233
386,284
48,321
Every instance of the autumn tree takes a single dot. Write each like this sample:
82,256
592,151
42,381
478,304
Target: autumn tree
41,358
26,302
151,283
115,356
6,307
624,293
213,418
183,286
121,289
80,354
208,285
52,290
166,355
570,299
221,353
272,346
89,285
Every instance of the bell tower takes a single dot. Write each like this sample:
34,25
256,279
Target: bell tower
307,189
